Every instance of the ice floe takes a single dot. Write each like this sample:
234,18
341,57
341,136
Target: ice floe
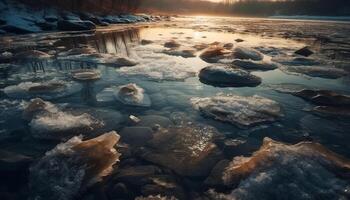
73,166
239,110
302,171
46,90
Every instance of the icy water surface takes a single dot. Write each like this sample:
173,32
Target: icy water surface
176,128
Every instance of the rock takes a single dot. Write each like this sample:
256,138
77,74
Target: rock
341,112
318,71
245,53
124,62
214,54
200,47
254,65
153,120
157,197
171,44
189,151
216,174
275,166
136,135
298,61
46,26
119,190
75,25
18,29
239,40
222,76
37,106
12,162
146,42
136,175
164,185
228,46
132,95
86,75
305,51
90,17
73,166
186,53
6,57
239,110
239,147
324,97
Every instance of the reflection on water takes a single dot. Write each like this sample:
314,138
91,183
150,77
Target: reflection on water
170,99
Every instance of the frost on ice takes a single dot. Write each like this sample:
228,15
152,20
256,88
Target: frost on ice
73,166
239,110
48,122
310,169
133,95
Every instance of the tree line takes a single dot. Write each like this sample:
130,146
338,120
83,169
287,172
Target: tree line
99,6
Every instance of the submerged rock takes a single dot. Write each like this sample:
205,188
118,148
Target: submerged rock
239,110
318,71
86,75
10,161
222,76
215,53
73,166
305,51
332,111
324,97
254,65
188,150
299,171
133,95
246,53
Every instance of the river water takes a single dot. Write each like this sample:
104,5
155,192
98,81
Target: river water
170,83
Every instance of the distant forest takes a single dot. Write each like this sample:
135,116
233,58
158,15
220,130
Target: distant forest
227,7
252,7
99,6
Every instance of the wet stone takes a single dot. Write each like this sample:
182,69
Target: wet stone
224,76
136,135
246,53
254,65
215,53
133,95
189,151
171,44
305,51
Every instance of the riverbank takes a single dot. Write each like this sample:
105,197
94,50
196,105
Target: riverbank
17,18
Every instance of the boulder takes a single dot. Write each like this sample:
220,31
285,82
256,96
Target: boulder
239,110
324,97
146,42
223,76
75,25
